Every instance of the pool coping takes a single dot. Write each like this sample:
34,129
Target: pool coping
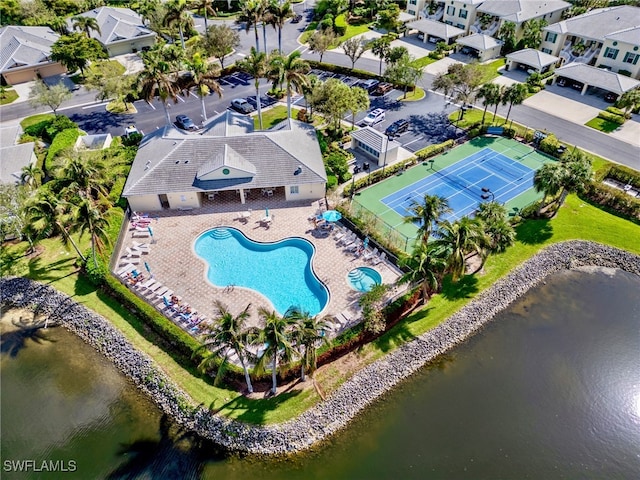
363,388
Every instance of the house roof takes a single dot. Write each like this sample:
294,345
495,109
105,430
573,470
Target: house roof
629,35
171,161
9,135
116,25
12,159
25,46
437,29
598,77
373,138
600,23
479,41
519,11
533,58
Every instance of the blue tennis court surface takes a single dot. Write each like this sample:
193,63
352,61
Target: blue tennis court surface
465,182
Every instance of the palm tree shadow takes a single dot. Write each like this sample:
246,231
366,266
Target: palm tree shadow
534,232
49,271
466,287
254,409
178,453
12,343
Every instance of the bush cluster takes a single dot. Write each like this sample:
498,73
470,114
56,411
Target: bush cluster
65,139
614,199
612,117
336,163
343,70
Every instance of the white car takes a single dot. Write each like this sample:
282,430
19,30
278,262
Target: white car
374,116
130,130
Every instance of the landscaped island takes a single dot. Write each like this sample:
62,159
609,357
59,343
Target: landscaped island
355,394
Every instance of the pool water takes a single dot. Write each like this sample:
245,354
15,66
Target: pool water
281,271
363,279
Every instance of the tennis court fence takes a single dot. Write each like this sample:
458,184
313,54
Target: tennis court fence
386,233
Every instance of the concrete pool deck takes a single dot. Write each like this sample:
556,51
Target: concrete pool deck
173,261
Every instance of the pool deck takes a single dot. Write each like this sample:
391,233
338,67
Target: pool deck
172,260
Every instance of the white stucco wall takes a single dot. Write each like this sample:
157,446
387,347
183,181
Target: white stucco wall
307,191
183,200
144,203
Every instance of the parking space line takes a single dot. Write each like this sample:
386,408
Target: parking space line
180,98
148,103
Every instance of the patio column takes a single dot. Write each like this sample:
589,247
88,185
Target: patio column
242,200
584,89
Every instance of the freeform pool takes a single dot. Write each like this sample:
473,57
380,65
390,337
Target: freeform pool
364,278
281,271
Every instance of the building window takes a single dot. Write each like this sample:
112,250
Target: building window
460,25
611,53
551,37
451,11
294,189
546,50
631,58
463,13
413,2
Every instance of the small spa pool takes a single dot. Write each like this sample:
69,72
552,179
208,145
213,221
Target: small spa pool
281,271
363,279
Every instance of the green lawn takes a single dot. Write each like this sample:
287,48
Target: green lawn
304,38
490,70
272,116
417,94
8,96
352,30
33,119
423,61
603,125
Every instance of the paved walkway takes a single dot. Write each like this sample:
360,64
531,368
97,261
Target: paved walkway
174,263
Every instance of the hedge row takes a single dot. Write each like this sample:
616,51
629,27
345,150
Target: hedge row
621,173
612,117
614,199
65,139
618,111
343,70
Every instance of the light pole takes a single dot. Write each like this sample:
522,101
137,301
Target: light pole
353,180
487,193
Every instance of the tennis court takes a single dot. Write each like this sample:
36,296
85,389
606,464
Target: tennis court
481,170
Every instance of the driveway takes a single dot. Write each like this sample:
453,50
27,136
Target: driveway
563,107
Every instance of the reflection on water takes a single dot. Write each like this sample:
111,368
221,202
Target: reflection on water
551,389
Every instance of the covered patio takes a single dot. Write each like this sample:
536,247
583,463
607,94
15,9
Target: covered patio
434,31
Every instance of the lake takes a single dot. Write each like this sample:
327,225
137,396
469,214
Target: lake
550,389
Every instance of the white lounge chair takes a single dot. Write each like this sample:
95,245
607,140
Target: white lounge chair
131,253
125,270
349,238
380,258
129,261
370,254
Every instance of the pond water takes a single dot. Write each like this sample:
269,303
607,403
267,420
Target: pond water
551,389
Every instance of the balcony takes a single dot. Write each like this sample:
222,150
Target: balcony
491,28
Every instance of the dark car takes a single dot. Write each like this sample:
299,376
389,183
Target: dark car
185,123
610,97
397,127
296,19
383,89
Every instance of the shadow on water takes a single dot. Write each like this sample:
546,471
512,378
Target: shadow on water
178,453
13,342
533,232
466,287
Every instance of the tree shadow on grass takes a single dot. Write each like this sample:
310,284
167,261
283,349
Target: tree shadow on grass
400,333
13,342
466,287
50,272
254,410
178,453
534,232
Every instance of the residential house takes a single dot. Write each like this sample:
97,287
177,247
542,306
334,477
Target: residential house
492,14
226,159
25,54
434,32
482,47
531,60
14,156
121,30
462,13
604,37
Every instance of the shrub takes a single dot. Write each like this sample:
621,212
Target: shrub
624,174
613,199
322,141
59,124
132,140
95,273
39,130
344,70
332,181
336,163
432,150
62,140
617,111
550,145
611,117
116,190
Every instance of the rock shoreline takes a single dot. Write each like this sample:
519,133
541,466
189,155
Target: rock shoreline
353,396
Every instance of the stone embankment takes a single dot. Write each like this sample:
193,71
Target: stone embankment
354,395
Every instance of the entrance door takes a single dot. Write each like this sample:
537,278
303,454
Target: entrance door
164,200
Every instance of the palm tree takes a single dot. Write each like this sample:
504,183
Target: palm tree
309,331
256,65
291,69
307,90
276,339
432,208
202,79
87,218
500,234
629,100
250,15
491,211
31,175
177,14
229,335
207,9
280,13
380,48
576,175
75,176
265,19
86,24
489,93
426,266
47,216
548,180
514,95
497,99
157,80
457,239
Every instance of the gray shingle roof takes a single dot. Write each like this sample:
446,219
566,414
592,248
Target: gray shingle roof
25,46
629,35
598,77
599,23
374,138
9,135
437,29
521,10
479,41
533,58
12,159
116,25
168,163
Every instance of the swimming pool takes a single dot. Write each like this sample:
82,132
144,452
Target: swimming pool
363,279
281,271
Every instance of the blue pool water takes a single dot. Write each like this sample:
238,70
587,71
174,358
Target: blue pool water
281,271
364,278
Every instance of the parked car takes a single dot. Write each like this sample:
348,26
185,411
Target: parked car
397,127
296,19
610,97
130,130
185,123
369,85
241,105
374,116
561,82
383,88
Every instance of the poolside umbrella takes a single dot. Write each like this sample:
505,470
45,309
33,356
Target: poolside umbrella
366,242
150,233
331,215
266,212
146,265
